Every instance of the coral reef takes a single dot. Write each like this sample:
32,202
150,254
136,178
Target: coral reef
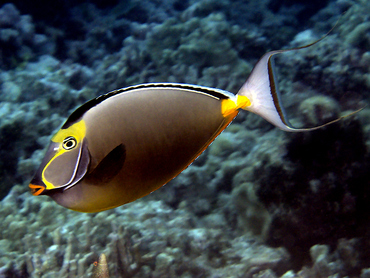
144,239
257,203
323,180
18,39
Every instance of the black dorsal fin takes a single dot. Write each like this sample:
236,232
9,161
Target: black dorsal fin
80,111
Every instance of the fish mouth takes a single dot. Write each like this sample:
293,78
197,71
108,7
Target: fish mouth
36,185
36,189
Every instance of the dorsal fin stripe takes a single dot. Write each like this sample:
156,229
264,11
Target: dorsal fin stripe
79,112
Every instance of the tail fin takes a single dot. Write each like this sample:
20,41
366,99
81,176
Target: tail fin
261,90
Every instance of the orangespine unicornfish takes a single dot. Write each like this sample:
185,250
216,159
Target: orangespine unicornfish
127,143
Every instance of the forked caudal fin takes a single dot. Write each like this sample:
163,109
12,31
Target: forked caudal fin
261,90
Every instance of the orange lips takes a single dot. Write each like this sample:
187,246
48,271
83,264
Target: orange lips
36,189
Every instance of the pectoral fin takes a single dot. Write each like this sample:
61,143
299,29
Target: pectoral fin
109,167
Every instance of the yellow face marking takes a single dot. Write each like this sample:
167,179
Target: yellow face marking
77,130
76,133
228,106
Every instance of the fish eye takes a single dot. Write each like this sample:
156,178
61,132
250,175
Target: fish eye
69,143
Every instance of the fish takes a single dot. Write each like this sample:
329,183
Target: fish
127,143
100,269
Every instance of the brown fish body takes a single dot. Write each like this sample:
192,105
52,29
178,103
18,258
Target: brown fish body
161,130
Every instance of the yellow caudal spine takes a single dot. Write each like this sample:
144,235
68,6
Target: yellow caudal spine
228,106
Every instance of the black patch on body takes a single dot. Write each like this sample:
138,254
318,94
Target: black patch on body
109,167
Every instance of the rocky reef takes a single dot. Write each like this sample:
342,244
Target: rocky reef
257,203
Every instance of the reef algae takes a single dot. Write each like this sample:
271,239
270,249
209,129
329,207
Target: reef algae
258,203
